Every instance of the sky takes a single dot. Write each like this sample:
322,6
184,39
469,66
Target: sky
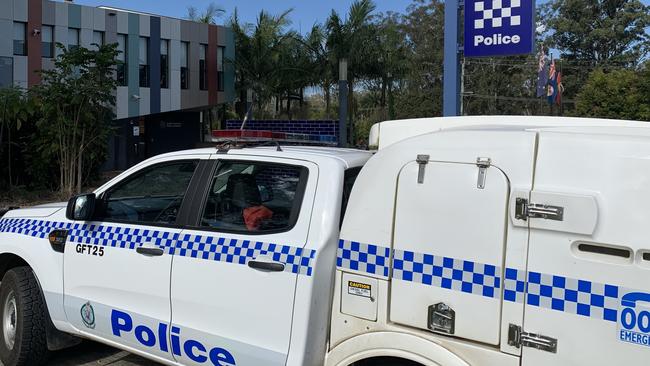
305,12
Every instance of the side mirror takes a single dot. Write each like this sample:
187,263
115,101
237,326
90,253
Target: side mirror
81,208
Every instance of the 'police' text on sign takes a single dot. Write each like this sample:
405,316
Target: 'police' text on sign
499,27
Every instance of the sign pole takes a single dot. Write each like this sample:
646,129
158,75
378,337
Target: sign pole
451,76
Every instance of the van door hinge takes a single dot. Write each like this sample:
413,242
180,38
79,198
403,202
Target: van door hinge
422,161
524,210
518,339
483,164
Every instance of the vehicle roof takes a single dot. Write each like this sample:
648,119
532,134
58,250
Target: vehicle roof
387,133
350,157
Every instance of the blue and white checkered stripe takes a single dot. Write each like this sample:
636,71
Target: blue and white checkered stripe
553,292
449,273
573,296
368,258
238,251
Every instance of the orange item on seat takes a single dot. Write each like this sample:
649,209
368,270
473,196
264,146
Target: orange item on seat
253,217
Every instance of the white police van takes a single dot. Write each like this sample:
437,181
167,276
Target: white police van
466,241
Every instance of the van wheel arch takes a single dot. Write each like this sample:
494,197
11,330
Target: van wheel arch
56,340
386,361
371,349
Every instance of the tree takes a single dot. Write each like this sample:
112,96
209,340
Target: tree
592,34
258,52
15,109
353,39
209,16
618,94
77,98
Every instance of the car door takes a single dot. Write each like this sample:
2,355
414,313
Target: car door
449,241
116,273
234,274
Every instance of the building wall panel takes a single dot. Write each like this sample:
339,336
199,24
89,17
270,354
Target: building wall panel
122,22
154,63
122,102
34,49
86,37
145,22
175,90
87,17
165,100
61,14
49,12
20,71
145,101
74,15
20,10
133,63
7,12
99,19
165,28
6,43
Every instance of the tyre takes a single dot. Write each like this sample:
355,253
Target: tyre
23,318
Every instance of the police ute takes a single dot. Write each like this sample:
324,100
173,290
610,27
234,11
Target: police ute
488,241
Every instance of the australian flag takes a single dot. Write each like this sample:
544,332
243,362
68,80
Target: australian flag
542,74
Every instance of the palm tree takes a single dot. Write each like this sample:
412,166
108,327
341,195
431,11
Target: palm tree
258,54
353,39
208,16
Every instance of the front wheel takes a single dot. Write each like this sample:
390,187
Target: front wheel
22,319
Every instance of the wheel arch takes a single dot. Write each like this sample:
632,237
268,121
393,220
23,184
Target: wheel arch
392,344
56,340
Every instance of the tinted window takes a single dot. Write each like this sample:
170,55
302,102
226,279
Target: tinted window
151,196
254,197
348,182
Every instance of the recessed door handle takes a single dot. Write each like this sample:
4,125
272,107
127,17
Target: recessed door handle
266,266
150,251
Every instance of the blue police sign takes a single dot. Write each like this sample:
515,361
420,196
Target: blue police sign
499,27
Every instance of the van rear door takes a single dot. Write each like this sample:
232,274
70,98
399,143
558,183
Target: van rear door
449,243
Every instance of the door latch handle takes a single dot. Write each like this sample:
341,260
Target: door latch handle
266,266
150,251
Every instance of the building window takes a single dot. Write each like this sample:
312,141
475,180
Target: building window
47,41
122,66
143,59
20,46
73,38
6,71
203,70
185,74
164,63
220,53
98,38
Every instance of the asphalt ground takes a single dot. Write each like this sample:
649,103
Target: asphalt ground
95,354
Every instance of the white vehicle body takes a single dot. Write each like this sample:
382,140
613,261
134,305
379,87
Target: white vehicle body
466,241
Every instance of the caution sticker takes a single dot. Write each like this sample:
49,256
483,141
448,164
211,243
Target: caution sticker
359,289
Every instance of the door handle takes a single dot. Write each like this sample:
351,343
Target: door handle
268,266
150,250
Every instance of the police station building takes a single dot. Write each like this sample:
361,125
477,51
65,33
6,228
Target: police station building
171,71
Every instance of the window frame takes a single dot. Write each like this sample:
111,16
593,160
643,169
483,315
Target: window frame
185,70
22,52
189,194
203,66
221,55
122,66
164,65
52,44
299,199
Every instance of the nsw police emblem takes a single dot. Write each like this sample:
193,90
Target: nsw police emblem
88,315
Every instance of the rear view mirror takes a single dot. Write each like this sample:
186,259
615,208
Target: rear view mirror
81,208
266,193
